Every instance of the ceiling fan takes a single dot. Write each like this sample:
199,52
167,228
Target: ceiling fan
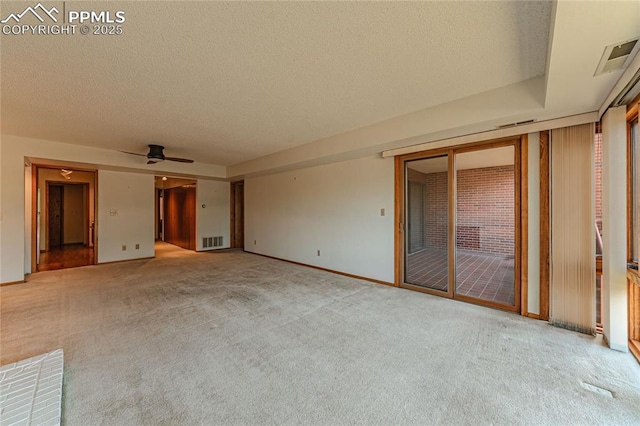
156,155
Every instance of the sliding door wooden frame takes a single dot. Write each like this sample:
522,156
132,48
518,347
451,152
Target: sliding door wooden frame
633,277
398,220
545,225
453,187
524,225
520,251
400,200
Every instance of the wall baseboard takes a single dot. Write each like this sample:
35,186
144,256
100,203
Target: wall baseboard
212,249
346,274
111,262
533,316
12,283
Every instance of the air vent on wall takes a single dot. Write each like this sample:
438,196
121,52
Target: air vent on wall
209,242
617,56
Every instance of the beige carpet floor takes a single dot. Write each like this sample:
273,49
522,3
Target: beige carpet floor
235,338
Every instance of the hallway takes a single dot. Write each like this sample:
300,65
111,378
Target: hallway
67,256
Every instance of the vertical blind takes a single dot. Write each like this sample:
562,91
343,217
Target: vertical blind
573,251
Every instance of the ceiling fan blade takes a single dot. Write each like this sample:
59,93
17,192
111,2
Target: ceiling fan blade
134,153
180,160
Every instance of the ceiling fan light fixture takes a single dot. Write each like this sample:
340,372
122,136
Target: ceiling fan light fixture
156,155
66,173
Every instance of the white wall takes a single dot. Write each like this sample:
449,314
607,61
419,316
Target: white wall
213,212
12,215
130,196
333,208
15,238
614,225
534,224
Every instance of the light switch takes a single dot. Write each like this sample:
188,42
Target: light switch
113,212
381,212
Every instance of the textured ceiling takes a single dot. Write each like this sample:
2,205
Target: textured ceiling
228,82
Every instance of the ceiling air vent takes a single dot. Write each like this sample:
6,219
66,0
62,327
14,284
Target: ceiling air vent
519,123
617,56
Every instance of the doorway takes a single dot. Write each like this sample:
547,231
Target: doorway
179,217
460,223
55,215
64,212
175,211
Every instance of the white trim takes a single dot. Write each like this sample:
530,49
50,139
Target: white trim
574,120
620,85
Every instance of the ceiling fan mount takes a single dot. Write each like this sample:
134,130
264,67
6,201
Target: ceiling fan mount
156,155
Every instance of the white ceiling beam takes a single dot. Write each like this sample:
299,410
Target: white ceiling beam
538,126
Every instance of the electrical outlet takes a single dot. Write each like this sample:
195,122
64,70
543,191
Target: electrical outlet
137,246
381,212
124,247
318,252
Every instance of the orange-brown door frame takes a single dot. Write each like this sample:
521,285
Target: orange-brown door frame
34,211
545,225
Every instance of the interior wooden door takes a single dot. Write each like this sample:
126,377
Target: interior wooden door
190,216
55,194
180,216
237,214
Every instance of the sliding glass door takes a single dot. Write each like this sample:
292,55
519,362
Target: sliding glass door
486,225
427,223
461,223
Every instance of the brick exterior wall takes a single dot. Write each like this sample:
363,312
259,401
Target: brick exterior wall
485,206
